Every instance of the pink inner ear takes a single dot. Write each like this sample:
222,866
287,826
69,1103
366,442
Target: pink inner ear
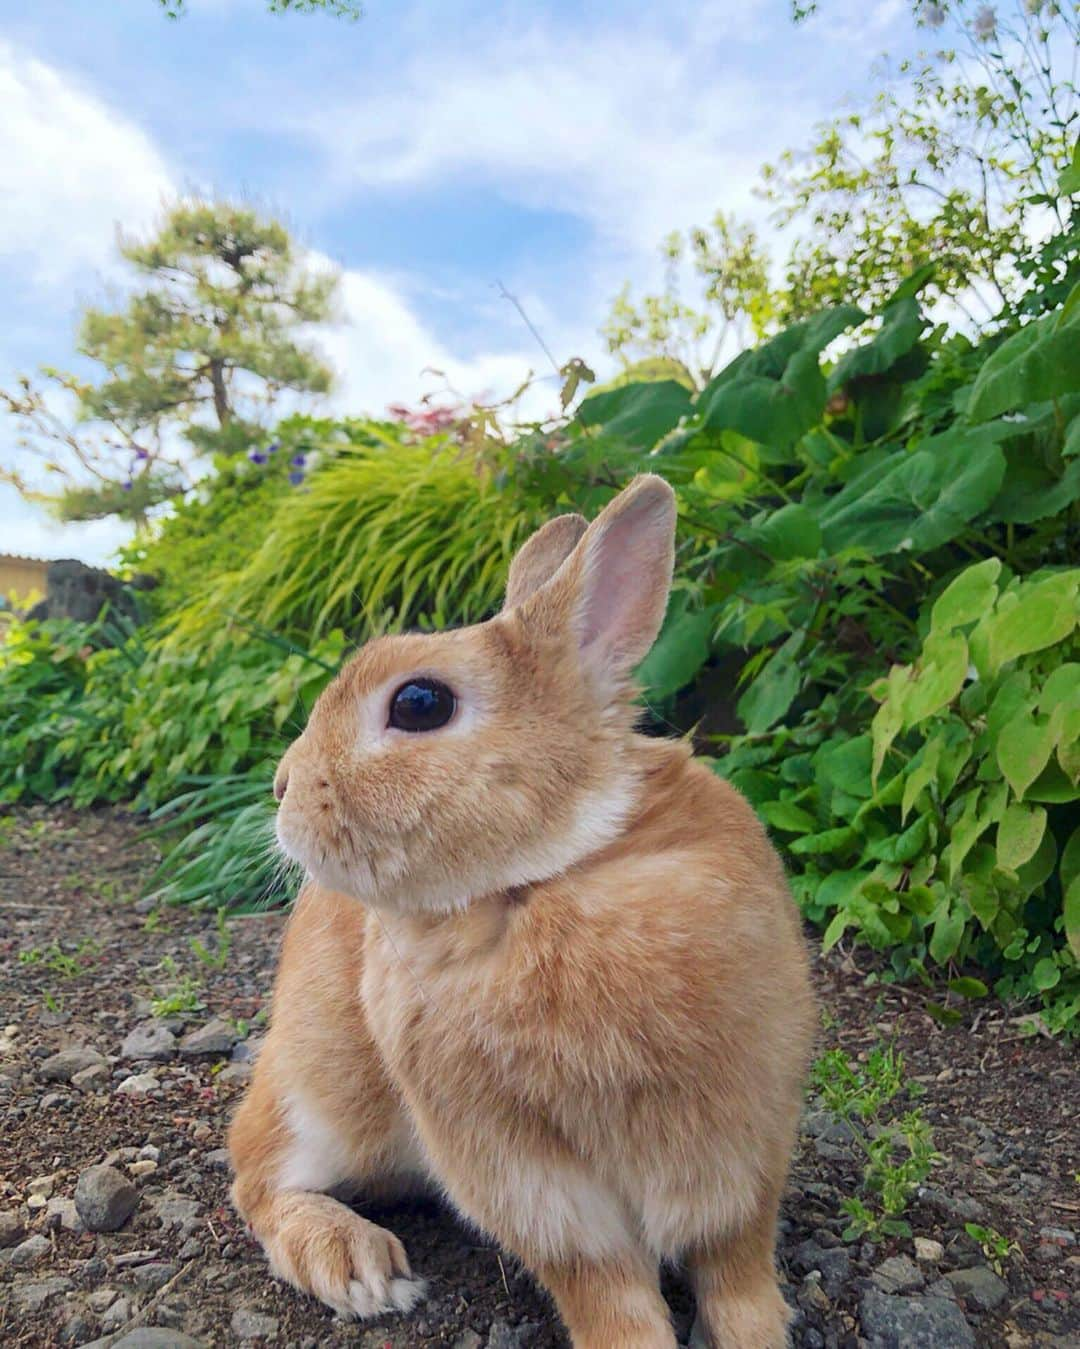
626,582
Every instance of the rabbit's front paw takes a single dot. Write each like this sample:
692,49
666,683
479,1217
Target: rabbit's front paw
323,1248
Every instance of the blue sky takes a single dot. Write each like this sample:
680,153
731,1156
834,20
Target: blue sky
431,150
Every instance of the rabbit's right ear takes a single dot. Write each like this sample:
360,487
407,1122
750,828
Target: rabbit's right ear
541,556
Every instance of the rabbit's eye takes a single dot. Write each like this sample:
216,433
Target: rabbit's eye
421,705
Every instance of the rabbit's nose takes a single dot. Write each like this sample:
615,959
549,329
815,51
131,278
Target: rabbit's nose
281,782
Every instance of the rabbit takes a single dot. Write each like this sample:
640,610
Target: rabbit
544,965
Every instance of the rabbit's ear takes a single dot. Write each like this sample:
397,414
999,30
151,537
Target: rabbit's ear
612,591
541,556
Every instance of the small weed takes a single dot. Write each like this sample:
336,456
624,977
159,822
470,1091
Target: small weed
995,1247
7,830
59,961
899,1153
218,958
186,996
53,1004
155,921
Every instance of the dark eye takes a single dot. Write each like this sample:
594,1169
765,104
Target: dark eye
421,705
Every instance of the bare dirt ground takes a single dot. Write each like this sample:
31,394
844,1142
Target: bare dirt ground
83,966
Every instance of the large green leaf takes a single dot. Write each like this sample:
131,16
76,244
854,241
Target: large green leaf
1019,835
772,691
1039,362
921,501
636,414
967,597
1044,614
776,393
902,326
679,652
1023,751
939,676
1031,490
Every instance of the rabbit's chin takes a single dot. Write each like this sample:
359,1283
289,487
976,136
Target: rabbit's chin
389,878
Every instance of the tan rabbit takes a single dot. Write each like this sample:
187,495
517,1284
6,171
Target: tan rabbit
545,964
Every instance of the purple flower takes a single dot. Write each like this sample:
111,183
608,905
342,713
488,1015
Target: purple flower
273,447
299,460
126,486
257,456
934,15
142,454
296,477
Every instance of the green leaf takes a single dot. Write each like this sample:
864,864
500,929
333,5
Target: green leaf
946,1016
1072,916
1046,974
939,676
920,501
636,414
1068,184
888,720
1032,491
679,652
1023,751
791,532
776,393
772,691
967,597
1070,859
1019,835
787,816
1045,614
846,766
1040,362
968,987
902,326
920,774
829,840
948,932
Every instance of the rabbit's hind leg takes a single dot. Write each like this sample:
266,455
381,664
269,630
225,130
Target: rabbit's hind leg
739,1303
611,1302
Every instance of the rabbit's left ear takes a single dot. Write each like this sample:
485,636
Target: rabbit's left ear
541,556
610,594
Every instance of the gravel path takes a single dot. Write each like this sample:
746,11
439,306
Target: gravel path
123,1053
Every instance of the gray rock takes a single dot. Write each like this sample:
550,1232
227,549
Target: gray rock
11,1228
150,1040
833,1264
963,1207
892,1322
176,1212
118,1314
31,1297
236,1073
62,1067
218,1159
898,1274
1063,1236
252,1325
470,1340
29,1253
928,1250
156,1337
247,1051
138,1084
61,1212
104,1198
216,1037
503,1336
979,1286
150,1277
88,1079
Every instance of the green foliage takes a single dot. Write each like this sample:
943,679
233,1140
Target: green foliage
898,1150
384,534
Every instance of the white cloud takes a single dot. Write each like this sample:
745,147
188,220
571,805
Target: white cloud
73,167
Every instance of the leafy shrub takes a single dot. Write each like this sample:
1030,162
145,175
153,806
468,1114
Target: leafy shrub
382,535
